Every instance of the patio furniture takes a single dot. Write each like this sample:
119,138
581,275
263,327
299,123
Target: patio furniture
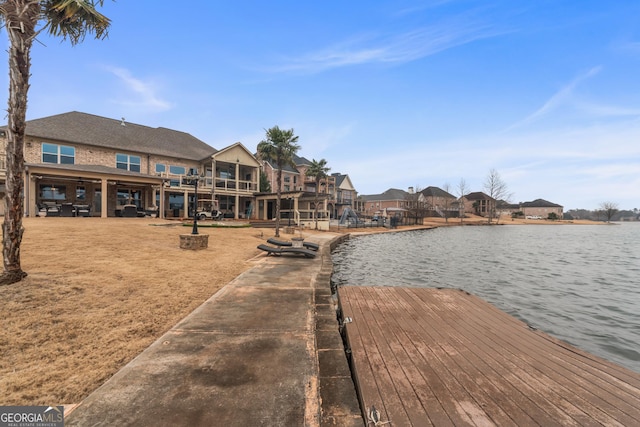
307,245
270,250
52,209
67,209
130,211
83,210
42,210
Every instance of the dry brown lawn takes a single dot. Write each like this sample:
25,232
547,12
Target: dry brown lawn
99,291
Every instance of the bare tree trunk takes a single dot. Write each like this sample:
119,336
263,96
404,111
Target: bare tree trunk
21,18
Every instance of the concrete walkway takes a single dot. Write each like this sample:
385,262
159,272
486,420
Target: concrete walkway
263,351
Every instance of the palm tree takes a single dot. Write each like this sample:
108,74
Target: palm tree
278,147
71,19
318,170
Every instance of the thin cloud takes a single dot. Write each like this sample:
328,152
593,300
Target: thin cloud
143,93
602,110
396,49
558,99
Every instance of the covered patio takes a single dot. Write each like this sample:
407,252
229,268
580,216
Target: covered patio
90,190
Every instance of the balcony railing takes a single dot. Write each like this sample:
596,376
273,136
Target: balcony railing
233,185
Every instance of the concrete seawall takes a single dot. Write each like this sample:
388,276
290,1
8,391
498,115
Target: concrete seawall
264,350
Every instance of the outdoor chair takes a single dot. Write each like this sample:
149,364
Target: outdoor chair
307,245
52,209
270,250
130,211
83,210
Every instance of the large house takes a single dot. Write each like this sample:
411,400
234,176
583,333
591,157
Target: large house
389,203
96,166
299,197
479,203
541,208
435,199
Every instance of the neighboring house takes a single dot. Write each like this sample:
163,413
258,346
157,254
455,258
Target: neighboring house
102,165
541,208
336,192
298,193
506,208
437,200
388,203
478,203
345,194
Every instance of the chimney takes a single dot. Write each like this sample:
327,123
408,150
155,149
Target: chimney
410,190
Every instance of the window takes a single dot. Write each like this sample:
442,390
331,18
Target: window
160,168
177,170
50,192
128,162
59,154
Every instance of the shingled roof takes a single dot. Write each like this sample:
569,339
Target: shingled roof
82,128
539,203
390,194
437,192
478,195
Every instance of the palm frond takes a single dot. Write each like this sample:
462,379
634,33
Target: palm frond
74,19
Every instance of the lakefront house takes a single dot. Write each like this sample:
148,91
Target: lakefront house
299,197
78,164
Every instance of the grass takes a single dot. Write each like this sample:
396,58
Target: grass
99,291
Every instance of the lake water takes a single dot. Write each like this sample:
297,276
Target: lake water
579,283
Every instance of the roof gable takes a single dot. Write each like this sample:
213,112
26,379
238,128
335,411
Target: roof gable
478,195
390,194
436,192
236,153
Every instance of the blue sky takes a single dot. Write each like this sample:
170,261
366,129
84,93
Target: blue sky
393,93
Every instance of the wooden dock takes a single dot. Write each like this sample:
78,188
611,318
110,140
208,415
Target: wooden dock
444,357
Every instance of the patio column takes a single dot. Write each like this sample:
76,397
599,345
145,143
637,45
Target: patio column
186,204
237,203
237,175
103,197
161,203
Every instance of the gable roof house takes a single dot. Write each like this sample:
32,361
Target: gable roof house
336,193
98,166
541,208
479,203
387,203
440,202
298,193
345,194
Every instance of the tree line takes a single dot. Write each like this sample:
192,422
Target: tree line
607,211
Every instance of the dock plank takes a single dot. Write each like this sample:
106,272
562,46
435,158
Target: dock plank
444,357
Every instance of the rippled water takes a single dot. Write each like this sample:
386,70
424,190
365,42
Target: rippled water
580,283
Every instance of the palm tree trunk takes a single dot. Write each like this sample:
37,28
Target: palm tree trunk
278,198
21,18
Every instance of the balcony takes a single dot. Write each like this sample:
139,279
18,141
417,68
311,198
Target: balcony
232,185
